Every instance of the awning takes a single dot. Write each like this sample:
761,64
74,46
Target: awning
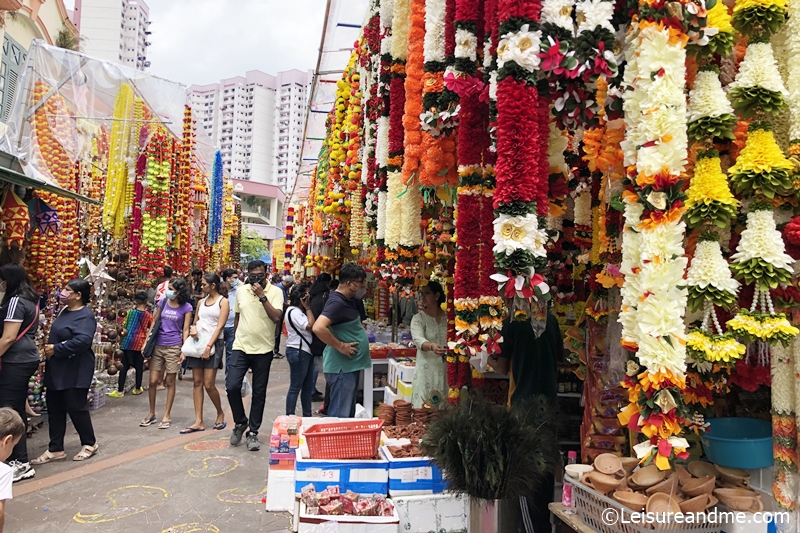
11,171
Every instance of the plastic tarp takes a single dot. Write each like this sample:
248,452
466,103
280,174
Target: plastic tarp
341,29
84,90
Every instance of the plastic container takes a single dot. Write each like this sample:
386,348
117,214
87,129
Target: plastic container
344,440
739,442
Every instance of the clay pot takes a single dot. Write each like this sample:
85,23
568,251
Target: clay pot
698,486
661,503
577,471
108,350
702,469
740,499
632,500
111,315
629,464
111,370
734,476
113,272
668,486
609,464
118,354
112,334
118,364
646,477
112,295
697,504
683,474
600,482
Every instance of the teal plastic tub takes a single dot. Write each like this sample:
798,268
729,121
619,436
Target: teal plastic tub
739,442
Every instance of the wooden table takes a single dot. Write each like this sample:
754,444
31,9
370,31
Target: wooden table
572,521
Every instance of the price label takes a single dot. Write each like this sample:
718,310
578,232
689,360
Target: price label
318,474
410,475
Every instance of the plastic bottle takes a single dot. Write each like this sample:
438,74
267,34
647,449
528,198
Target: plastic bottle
566,491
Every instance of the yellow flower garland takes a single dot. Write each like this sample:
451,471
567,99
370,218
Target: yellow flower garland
709,184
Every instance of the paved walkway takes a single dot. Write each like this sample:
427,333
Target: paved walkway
149,480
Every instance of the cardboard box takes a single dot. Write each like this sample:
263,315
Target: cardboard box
404,391
413,476
280,490
443,513
348,524
363,477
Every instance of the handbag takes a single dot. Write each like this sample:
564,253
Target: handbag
24,331
195,347
150,345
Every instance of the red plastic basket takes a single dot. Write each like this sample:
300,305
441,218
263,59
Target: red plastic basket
358,439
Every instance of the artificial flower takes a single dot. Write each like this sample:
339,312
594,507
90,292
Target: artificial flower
520,47
709,276
758,84
707,99
466,44
719,18
709,197
593,13
558,12
512,233
435,11
761,241
665,355
714,348
583,209
761,166
771,328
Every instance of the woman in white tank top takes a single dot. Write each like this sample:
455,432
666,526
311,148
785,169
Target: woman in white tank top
209,321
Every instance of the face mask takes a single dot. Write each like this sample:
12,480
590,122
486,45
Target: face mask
170,294
63,297
361,292
256,279
235,283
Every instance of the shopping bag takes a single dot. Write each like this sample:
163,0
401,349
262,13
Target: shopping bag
246,388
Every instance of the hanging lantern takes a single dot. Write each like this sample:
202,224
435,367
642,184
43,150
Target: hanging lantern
15,218
45,218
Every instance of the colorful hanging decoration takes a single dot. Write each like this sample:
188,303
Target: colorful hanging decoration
15,218
217,198
116,194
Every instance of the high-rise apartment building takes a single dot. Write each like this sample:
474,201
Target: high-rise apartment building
256,120
115,30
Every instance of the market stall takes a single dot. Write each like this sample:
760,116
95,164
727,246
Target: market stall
629,168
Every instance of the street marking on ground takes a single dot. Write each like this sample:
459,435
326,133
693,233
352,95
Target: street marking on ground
214,466
126,501
208,445
194,527
242,496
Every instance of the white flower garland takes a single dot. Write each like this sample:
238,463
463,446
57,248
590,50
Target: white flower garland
583,209
400,26
433,48
593,13
759,68
708,99
792,32
466,45
558,12
631,257
761,240
782,370
709,267
521,47
411,214
393,211
382,147
512,233
382,201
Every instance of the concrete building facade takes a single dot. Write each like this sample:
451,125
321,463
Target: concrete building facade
115,30
256,120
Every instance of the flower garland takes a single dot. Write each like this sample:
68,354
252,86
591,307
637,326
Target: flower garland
289,241
520,197
657,144
792,32
117,181
217,191
157,200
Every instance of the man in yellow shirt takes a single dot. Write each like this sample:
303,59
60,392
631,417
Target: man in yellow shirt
258,308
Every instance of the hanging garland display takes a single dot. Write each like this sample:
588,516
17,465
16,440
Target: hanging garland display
117,181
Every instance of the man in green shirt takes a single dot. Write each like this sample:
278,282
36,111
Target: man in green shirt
347,351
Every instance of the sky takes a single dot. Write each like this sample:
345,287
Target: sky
203,41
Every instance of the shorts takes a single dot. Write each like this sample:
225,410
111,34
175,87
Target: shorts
168,357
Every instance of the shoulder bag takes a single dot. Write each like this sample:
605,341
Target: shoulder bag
302,339
150,345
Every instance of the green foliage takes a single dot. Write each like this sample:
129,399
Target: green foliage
253,245
68,40
488,451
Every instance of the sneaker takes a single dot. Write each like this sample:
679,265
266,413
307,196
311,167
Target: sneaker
22,470
236,436
252,442
117,394
137,392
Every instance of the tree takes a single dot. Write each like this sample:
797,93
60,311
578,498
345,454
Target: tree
253,246
69,40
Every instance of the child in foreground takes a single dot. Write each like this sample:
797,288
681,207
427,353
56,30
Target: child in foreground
134,336
11,430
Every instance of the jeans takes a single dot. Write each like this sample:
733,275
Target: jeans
228,336
240,363
72,401
14,379
301,372
343,393
132,358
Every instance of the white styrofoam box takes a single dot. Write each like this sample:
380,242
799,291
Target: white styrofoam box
413,476
363,477
404,391
443,513
400,372
347,524
280,490
748,522
389,396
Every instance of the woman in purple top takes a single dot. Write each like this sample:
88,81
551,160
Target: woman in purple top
175,312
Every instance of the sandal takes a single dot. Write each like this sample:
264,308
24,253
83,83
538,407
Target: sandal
220,425
86,452
191,430
48,457
149,421
164,424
